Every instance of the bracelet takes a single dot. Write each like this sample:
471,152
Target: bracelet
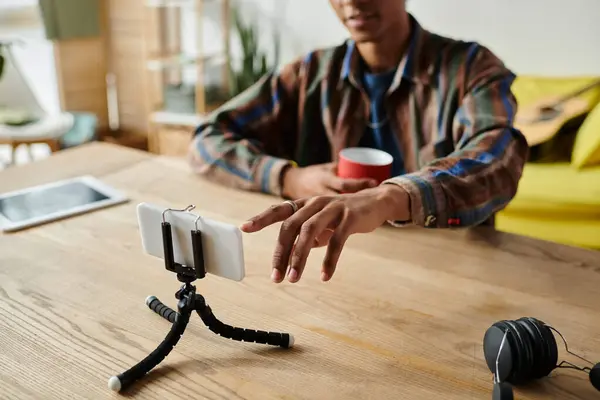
291,164
400,224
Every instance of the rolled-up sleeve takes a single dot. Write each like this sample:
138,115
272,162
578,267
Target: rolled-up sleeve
481,175
247,142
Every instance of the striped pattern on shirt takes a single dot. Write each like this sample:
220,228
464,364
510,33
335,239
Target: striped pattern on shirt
450,105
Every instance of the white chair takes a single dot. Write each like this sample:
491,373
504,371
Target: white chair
16,93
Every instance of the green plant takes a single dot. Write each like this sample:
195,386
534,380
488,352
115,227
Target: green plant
215,94
254,64
1,59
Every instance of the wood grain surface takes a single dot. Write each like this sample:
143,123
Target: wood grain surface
403,318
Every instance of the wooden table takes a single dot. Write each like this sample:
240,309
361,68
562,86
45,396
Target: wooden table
403,318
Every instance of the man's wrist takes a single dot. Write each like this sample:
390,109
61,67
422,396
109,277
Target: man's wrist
395,203
285,178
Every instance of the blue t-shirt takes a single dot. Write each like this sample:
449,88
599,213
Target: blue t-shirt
378,133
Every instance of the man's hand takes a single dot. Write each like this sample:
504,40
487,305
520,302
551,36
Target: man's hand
318,180
327,220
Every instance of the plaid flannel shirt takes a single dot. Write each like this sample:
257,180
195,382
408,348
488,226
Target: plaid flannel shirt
450,105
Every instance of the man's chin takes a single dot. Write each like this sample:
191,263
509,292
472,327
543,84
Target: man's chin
364,38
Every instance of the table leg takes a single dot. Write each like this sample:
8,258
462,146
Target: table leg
13,154
54,145
30,152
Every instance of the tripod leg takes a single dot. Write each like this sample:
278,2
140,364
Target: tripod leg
284,340
161,309
136,372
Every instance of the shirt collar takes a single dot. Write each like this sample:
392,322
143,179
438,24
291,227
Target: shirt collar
411,66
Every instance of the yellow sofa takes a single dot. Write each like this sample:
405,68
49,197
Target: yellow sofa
560,202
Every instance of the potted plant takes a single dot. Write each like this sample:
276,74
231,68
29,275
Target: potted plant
254,64
15,116
1,59
4,45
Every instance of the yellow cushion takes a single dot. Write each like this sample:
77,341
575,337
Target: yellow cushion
558,189
572,232
530,89
586,149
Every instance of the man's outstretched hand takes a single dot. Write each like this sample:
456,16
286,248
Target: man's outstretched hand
318,180
326,221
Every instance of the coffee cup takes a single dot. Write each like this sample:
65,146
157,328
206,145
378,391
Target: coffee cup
364,162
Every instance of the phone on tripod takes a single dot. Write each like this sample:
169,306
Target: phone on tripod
183,239
222,245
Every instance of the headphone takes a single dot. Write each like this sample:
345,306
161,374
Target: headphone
520,351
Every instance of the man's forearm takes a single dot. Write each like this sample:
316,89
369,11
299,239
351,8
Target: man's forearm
235,162
241,144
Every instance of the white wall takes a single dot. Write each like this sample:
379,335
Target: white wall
35,56
546,37
549,37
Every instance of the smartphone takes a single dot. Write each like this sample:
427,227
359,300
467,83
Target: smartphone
222,243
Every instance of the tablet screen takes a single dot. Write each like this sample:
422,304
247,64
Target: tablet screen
41,202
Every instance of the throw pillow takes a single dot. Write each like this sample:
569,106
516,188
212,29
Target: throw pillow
586,150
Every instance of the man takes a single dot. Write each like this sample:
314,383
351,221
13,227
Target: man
442,108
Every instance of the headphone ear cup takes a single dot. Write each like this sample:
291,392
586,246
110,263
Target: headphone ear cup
538,344
491,347
552,347
530,350
546,364
520,373
595,376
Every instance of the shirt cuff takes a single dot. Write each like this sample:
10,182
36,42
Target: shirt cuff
268,174
427,201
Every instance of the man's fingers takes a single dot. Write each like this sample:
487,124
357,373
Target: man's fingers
334,250
350,185
272,215
309,232
290,229
332,167
329,192
323,238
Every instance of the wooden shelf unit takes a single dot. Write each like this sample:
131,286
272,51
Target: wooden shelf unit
177,77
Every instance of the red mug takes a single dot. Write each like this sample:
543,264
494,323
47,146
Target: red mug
364,162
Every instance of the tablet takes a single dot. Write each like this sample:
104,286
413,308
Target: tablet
222,245
49,202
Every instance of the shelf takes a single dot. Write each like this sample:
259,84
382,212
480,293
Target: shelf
172,3
174,118
187,65
169,3
157,64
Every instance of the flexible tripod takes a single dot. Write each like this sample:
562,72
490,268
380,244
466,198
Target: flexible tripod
189,301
